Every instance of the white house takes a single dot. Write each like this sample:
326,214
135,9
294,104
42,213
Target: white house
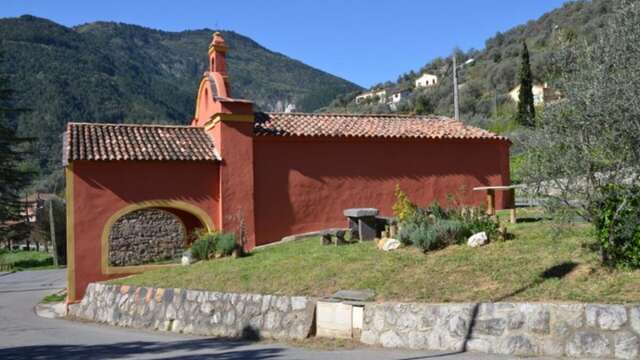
381,94
398,96
426,80
541,93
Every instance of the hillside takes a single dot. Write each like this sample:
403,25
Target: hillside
111,72
485,82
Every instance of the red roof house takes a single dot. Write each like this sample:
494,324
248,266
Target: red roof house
262,176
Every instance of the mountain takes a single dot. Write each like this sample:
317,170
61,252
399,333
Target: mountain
486,81
113,72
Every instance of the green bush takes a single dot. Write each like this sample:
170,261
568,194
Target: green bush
429,232
438,211
226,244
617,225
425,237
434,227
485,224
403,208
204,247
452,231
209,243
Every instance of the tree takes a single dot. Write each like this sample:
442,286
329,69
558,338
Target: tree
12,177
590,140
526,110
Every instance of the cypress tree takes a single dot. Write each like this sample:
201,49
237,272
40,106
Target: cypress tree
12,177
526,110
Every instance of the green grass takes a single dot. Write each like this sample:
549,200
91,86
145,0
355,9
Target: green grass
54,298
539,264
25,260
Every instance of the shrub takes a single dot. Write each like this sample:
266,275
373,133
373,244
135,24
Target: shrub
434,227
205,246
209,243
403,207
226,244
451,231
617,225
428,232
425,237
437,211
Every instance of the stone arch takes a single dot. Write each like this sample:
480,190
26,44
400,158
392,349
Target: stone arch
173,216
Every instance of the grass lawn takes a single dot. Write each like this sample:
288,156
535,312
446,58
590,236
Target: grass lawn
25,260
538,265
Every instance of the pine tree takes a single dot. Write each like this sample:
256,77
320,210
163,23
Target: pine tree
12,177
526,110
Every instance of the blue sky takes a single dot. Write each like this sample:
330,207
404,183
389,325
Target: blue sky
365,41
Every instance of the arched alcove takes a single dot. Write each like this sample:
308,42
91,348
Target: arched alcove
146,236
150,233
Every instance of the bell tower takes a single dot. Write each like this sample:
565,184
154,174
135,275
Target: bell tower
229,122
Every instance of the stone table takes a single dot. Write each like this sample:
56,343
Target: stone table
362,222
491,198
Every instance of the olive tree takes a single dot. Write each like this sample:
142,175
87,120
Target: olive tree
591,138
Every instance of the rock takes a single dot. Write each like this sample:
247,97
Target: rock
516,345
478,239
298,303
391,244
626,345
607,317
354,295
493,327
479,345
187,258
368,337
390,339
537,318
587,343
634,318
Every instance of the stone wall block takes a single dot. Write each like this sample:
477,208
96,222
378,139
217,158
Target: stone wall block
589,344
626,345
519,345
606,317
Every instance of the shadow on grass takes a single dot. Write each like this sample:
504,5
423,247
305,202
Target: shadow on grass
225,349
558,271
531,219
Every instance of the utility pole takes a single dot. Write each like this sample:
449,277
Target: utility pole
495,102
456,101
52,228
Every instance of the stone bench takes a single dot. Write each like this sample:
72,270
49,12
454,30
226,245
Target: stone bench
362,222
326,236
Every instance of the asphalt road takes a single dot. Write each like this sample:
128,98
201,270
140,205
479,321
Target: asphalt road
24,335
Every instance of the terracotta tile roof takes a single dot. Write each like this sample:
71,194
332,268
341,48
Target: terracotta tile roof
367,126
84,141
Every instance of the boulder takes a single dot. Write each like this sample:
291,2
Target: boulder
391,244
187,258
478,239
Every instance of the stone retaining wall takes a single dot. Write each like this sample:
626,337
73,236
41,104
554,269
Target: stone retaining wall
198,312
575,330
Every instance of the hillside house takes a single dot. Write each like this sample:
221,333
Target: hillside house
542,93
137,194
380,95
426,80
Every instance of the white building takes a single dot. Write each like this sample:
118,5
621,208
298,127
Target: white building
398,96
426,80
380,94
541,94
